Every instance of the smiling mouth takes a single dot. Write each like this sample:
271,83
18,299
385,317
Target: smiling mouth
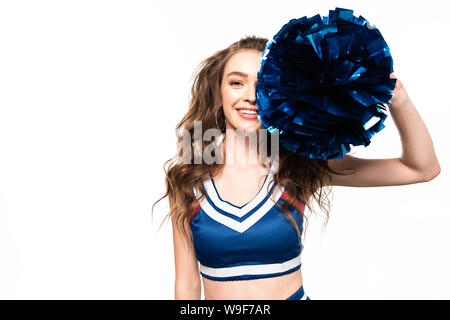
246,111
247,114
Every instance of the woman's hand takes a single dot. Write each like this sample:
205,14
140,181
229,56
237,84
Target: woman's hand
400,95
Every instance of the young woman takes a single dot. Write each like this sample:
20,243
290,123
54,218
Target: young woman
237,224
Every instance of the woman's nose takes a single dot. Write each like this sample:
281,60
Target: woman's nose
251,94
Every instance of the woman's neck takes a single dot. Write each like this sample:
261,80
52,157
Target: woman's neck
240,148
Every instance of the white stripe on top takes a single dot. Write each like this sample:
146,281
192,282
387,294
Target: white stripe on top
248,222
241,226
251,269
240,212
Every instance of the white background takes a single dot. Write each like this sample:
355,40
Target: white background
90,94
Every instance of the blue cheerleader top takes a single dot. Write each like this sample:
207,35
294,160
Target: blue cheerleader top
246,242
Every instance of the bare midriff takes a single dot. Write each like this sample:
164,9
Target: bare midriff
273,288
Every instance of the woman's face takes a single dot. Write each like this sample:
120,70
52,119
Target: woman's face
239,90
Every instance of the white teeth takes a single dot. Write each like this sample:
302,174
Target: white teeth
247,111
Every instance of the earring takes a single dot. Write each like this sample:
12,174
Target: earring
221,130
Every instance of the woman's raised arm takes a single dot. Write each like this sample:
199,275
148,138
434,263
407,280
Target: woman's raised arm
418,162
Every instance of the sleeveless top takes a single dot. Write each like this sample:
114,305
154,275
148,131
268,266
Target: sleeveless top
246,242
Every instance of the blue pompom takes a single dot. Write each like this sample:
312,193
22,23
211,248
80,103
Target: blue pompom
324,84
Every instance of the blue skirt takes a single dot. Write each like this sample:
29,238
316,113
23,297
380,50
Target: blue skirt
299,295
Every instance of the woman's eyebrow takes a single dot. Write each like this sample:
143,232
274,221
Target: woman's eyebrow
238,73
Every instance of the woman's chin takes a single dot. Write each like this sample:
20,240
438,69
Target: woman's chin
249,128
248,125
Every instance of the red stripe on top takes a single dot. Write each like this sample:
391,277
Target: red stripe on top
298,203
194,212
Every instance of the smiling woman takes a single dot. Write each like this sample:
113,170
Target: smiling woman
238,226
238,220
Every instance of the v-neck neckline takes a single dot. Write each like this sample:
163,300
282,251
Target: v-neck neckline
225,205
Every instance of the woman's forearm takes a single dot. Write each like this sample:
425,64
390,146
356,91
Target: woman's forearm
417,145
188,294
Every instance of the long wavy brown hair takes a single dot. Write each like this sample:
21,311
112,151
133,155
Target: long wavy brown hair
307,179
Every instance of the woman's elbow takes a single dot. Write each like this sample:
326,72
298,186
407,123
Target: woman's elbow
433,173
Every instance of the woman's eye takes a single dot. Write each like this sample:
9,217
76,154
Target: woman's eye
235,83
